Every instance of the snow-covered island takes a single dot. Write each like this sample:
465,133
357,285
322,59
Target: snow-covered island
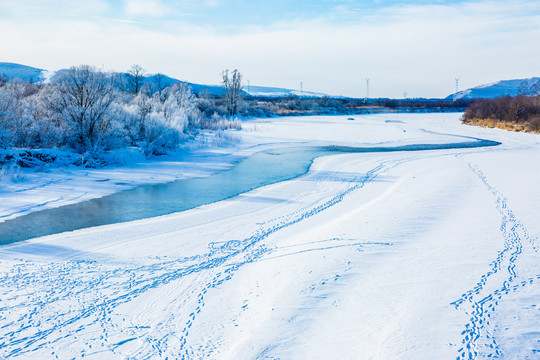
384,255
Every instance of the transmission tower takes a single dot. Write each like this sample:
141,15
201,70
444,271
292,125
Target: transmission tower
457,84
301,88
367,88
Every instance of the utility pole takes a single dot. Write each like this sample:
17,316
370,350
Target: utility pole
301,88
248,87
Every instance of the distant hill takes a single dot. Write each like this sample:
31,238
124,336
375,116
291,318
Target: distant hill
31,74
166,81
22,72
195,88
263,91
495,90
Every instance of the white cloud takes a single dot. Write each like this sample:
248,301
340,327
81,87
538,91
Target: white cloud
417,49
153,8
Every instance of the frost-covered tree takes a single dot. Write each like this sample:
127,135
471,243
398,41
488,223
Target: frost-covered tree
17,107
84,109
171,114
232,83
186,100
158,122
6,116
140,106
81,100
159,82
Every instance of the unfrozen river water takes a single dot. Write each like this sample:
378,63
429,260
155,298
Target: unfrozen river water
260,169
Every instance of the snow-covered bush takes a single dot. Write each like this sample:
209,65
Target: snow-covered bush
139,108
183,96
11,173
517,113
162,119
220,122
160,136
164,127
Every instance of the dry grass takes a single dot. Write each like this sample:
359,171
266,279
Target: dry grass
500,124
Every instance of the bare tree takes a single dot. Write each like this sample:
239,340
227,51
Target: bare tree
159,82
135,78
82,99
232,83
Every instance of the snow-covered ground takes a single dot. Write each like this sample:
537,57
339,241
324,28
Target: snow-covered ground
403,255
31,190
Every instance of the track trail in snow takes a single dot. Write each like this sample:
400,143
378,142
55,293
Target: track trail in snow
504,277
71,297
252,248
48,306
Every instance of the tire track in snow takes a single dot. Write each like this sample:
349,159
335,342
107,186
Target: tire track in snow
481,302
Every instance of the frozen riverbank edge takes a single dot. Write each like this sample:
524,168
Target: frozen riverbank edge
260,169
36,189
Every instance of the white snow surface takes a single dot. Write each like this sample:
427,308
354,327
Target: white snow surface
265,91
403,255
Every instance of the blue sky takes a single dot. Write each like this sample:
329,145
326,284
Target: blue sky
418,47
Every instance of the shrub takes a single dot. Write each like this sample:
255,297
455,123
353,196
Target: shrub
513,113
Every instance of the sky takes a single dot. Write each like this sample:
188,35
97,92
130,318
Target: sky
415,48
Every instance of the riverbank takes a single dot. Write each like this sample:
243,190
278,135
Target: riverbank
27,190
34,189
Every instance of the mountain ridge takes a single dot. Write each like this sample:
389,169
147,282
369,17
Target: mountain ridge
36,75
512,87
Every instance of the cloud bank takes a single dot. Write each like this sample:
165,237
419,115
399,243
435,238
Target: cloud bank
418,49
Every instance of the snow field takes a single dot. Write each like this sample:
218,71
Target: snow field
368,256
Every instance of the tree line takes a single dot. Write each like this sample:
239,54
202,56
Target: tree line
91,111
520,113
